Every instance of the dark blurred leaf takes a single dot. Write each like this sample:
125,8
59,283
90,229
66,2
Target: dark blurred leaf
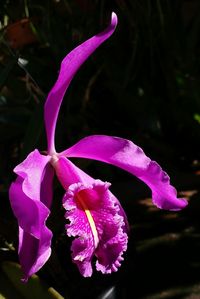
33,130
7,291
33,289
6,71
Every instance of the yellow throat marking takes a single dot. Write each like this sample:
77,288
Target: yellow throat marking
90,220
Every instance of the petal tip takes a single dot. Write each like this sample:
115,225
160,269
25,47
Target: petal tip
114,19
174,206
183,203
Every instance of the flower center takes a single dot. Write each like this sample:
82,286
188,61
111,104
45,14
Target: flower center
54,159
84,207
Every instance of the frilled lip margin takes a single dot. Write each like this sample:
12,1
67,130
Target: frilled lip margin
95,221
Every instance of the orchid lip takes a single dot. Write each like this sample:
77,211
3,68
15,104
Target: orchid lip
98,234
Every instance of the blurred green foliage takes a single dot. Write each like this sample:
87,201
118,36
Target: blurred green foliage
10,276
142,84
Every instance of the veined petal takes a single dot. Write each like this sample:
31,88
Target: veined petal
30,198
95,221
128,156
69,66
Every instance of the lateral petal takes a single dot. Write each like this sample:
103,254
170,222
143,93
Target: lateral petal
32,171
30,200
128,156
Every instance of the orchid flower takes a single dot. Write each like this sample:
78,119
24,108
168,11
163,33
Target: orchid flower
95,217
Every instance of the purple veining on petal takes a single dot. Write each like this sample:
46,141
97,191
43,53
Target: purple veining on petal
128,156
30,201
83,246
109,225
69,66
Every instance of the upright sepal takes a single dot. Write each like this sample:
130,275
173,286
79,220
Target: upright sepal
69,66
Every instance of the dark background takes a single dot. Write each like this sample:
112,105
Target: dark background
142,84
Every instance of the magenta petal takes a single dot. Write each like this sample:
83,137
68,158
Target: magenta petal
103,236
69,66
128,156
32,171
68,173
32,212
33,253
46,191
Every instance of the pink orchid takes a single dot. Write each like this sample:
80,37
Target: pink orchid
96,218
